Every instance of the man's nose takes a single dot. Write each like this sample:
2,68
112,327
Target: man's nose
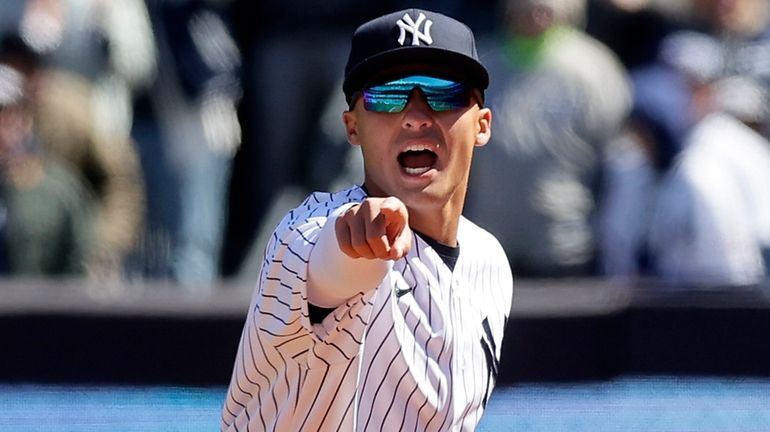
417,113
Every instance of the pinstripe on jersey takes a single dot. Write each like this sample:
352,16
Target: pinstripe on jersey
419,353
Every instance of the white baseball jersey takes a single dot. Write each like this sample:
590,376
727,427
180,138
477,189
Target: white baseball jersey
418,353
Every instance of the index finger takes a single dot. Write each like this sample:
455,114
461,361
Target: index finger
396,217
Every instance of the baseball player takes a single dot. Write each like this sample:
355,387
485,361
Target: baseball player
379,307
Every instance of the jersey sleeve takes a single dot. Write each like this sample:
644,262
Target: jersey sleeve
278,344
279,310
280,302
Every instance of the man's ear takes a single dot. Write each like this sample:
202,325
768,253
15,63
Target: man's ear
351,127
484,127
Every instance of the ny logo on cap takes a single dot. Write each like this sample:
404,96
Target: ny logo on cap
406,24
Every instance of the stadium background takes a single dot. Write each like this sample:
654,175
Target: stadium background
581,354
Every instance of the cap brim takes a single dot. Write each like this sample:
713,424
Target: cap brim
458,66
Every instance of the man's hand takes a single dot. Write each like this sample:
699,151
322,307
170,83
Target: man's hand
378,228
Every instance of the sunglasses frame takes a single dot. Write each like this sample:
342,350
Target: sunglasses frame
392,96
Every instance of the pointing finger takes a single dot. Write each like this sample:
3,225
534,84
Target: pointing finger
358,239
402,244
396,217
342,231
376,237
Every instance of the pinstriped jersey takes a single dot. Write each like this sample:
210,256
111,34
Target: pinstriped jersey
419,352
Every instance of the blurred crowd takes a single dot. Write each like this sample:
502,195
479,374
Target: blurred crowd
162,139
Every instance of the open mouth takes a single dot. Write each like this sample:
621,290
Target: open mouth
417,160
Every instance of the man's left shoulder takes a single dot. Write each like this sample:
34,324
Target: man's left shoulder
477,238
485,253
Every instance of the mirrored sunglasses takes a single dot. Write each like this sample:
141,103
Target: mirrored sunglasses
392,97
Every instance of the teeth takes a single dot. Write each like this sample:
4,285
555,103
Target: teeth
416,171
417,147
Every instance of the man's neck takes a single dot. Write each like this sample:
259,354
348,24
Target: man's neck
439,225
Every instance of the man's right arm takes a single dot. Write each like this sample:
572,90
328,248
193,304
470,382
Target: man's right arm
355,250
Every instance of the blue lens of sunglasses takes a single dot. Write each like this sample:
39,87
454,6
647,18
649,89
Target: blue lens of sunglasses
392,97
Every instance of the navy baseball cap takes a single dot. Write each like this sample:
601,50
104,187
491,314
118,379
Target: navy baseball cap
413,37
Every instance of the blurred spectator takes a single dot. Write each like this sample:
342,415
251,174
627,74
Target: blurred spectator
672,95
734,40
108,44
663,113
63,108
558,96
187,132
739,20
711,226
633,29
45,210
743,28
292,60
